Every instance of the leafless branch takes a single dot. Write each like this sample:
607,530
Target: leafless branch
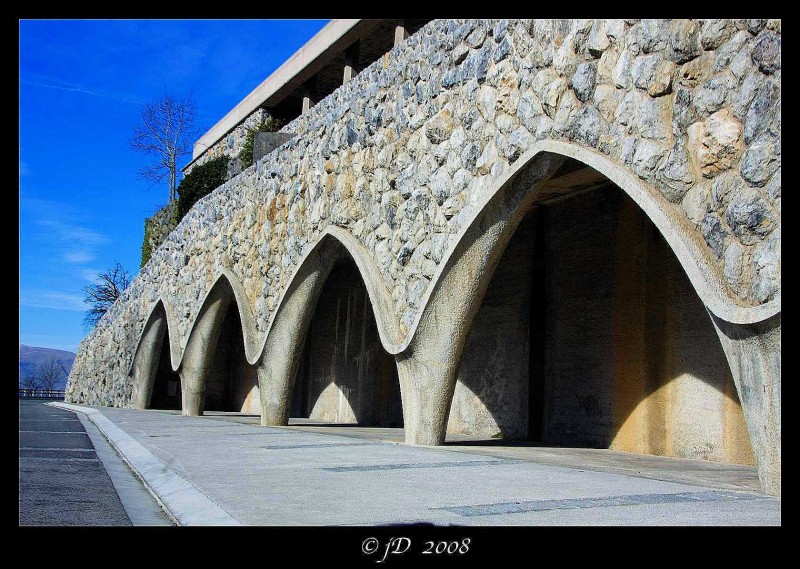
167,132
49,373
102,294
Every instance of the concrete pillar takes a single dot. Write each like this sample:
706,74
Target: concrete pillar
145,364
351,61
309,93
400,31
199,354
284,347
428,367
754,355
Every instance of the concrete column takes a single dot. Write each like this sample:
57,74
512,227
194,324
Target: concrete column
400,31
283,350
309,93
754,354
145,364
199,354
351,61
428,367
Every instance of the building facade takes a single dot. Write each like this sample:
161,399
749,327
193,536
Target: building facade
565,231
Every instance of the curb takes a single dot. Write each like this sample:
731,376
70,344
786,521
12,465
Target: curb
182,500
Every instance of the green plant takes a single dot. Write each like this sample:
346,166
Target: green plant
157,228
147,249
201,181
270,124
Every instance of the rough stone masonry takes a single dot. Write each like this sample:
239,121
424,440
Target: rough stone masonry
421,169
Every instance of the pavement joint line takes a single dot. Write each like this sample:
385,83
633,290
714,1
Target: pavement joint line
312,445
186,504
408,465
601,502
57,432
55,459
39,449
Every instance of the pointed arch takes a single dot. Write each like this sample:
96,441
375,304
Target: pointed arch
148,355
289,327
202,342
511,194
436,341
160,309
332,243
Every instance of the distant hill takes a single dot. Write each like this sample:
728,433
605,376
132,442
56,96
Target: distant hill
31,356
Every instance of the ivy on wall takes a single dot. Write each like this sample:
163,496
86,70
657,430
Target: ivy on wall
157,228
201,181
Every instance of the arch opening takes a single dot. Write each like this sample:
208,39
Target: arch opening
155,384
590,334
166,382
232,383
345,376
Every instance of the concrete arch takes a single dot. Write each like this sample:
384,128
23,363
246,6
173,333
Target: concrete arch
291,320
201,342
148,353
160,308
249,330
380,296
694,257
430,362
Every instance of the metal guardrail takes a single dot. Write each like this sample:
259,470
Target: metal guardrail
41,394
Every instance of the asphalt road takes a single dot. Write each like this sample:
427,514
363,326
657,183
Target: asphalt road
64,475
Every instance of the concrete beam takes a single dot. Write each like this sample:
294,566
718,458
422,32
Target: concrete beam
290,76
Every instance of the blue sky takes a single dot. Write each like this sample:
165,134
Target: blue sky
81,83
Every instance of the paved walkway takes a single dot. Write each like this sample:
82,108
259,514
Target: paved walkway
70,476
225,469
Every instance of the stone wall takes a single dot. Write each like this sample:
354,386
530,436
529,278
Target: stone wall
403,158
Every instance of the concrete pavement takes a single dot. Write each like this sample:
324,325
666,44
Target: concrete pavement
225,469
69,475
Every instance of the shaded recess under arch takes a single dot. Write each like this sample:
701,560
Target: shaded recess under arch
155,384
215,372
345,375
232,383
591,334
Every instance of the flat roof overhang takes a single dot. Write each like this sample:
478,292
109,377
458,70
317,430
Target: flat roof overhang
320,50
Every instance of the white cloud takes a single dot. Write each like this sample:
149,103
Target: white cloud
78,256
89,274
62,228
52,299
61,85
24,169
73,233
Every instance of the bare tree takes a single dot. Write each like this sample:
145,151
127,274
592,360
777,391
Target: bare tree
167,132
102,294
29,382
49,373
